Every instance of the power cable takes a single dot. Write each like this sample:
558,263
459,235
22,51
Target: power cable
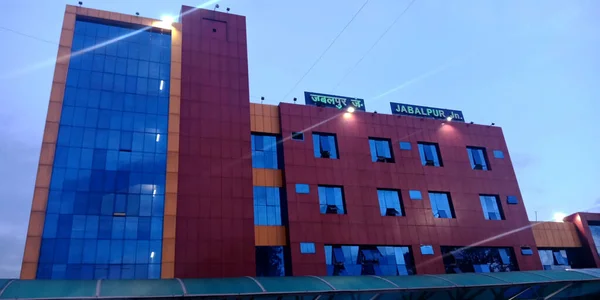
327,49
375,44
27,35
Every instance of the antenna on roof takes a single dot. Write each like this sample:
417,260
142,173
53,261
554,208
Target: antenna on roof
262,99
80,3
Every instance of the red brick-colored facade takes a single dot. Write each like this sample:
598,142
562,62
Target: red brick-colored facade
215,228
360,178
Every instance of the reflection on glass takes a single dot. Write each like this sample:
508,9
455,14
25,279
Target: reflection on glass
478,259
270,261
106,201
368,260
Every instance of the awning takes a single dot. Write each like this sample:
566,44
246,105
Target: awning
510,285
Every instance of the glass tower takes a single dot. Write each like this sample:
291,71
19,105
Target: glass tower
104,216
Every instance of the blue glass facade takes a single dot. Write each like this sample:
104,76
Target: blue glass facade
105,208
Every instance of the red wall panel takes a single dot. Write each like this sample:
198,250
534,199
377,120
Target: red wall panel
212,238
360,178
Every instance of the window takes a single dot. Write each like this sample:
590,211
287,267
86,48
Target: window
554,259
512,200
324,145
297,136
595,231
478,158
270,261
492,209
405,146
380,150
526,251
441,205
106,195
302,188
426,250
264,151
331,200
389,202
267,206
368,260
478,259
498,154
430,154
307,248
415,195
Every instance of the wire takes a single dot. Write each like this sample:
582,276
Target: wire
375,44
27,35
327,49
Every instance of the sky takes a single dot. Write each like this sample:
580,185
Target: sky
531,67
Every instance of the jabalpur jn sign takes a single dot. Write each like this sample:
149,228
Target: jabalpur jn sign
426,112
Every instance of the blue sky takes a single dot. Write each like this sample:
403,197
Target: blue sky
532,67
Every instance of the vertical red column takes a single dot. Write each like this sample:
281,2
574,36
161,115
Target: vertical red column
215,227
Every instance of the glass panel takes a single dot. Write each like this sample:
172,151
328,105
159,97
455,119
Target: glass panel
405,146
106,135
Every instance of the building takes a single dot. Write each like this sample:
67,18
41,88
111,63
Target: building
154,164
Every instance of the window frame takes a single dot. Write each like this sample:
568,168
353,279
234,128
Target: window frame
450,204
401,213
498,204
333,153
470,153
276,151
381,159
422,154
328,206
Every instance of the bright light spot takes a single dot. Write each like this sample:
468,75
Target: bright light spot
347,115
158,137
162,85
167,19
449,119
154,192
350,109
152,254
558,217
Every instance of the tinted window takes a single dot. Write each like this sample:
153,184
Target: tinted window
512,200
368,260
426,249
478,158
267,206
498,154
298,136
526,251
324,145
389,202
381,150
492,209
307,248
415,195
302,188
478,259
106,197
331,200
405,146
441,206
264,151
430,154
270,261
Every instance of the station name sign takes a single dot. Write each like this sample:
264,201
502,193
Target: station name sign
338,102
426,112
